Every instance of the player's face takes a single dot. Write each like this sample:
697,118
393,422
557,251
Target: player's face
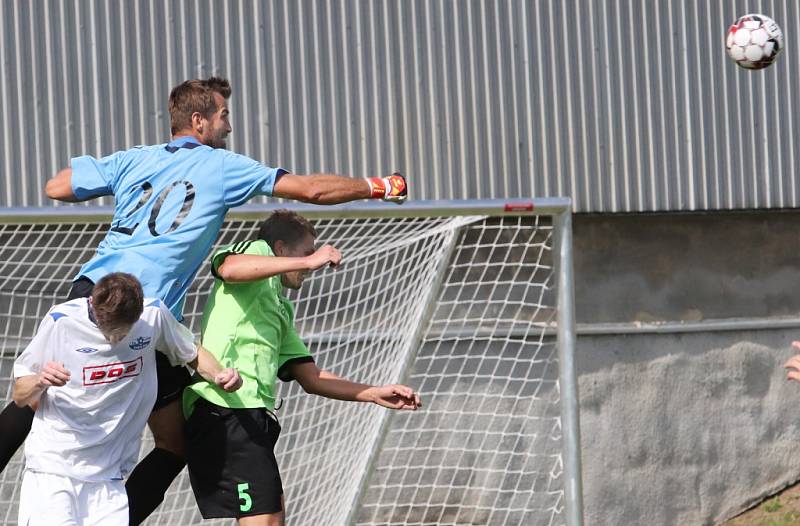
116,334
218,127
305,247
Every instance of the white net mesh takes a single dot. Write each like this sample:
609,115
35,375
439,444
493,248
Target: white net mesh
460,308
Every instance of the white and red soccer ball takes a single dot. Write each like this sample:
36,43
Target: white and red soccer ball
754,41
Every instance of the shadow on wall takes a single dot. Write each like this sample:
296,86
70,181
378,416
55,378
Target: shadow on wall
686,267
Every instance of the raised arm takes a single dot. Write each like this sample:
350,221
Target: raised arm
246,267
329,189
316,381
60,187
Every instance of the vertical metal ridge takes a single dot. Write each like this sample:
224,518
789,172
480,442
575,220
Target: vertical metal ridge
21,100
543,148
624,96
444,129
611,180
690,190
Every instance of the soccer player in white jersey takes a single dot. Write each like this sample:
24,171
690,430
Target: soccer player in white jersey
91,367
170,201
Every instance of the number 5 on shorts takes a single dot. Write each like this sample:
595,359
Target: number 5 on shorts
248,501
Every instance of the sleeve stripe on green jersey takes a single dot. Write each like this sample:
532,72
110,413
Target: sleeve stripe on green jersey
241,247
236,248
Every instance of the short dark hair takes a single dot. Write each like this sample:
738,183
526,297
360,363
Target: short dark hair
287,226
195,96
117,301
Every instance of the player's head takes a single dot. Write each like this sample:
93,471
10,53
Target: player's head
289,235
117,303
198,107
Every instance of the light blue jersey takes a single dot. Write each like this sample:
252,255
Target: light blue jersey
171,200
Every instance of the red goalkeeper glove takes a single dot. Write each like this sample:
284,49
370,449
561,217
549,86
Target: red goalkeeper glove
392,188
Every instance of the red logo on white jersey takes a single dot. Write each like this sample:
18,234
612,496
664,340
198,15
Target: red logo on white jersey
106,374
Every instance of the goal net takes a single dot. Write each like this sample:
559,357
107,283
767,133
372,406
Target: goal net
468,303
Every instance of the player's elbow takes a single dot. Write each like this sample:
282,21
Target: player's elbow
314,193
227,272
50,189
60,186
309,386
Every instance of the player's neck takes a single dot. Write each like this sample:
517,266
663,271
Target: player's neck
187,133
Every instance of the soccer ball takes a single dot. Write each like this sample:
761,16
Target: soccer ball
754,41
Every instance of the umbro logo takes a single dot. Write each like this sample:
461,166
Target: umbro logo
139,343
86,350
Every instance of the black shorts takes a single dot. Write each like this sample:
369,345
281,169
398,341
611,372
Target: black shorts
171,380
230,454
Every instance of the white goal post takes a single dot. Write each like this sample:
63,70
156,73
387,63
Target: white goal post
468,302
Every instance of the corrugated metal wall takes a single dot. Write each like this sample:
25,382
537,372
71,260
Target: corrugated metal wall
625,105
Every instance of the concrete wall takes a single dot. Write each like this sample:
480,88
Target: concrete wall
684,428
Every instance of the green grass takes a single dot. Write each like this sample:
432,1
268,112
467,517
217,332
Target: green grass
787,518
790,518
773,505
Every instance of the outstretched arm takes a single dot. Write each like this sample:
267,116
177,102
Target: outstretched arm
246,267
329,189
323,383
60,187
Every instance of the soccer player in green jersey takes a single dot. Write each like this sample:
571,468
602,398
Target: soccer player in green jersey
249,324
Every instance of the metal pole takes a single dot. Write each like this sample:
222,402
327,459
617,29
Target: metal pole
570,427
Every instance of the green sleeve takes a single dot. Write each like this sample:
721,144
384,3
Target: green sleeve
293,350
257,248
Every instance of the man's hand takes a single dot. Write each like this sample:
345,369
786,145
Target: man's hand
53,375
394,397
793,364
228,379
326,255
392,188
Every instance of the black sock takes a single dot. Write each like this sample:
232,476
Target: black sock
149,481
15,424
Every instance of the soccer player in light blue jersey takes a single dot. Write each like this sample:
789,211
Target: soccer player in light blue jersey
170,201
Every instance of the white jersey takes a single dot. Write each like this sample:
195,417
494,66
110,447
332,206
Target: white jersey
90,429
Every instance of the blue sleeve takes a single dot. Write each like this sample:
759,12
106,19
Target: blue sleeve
243,178
95,177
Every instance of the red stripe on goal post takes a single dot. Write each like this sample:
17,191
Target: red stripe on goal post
518,207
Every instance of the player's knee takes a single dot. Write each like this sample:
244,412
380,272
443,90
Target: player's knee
169,438
166,425
171,443
270,519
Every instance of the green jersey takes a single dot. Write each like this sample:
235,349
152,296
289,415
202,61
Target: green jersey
249,326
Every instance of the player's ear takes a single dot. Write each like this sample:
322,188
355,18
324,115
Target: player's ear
279,248
197,121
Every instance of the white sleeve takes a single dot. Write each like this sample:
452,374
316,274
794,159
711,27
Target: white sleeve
39,351
174,339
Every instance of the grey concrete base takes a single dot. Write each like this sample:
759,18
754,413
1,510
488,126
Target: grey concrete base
685,429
